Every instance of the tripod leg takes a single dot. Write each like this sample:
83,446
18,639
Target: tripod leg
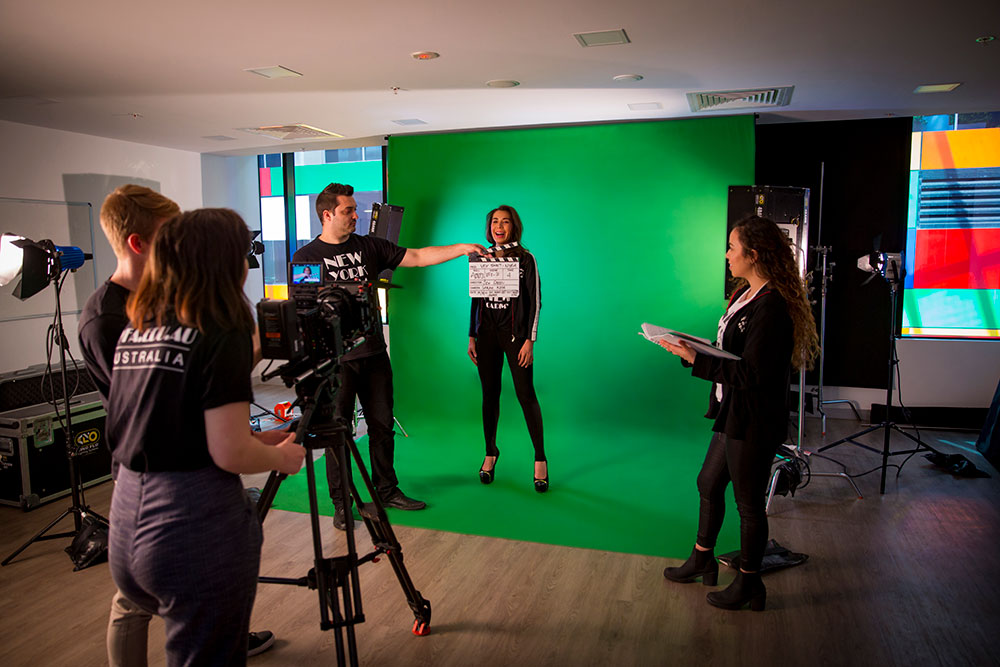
269,491
385,540
40,535
770,489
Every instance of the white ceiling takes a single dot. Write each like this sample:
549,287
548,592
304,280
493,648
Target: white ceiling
88,66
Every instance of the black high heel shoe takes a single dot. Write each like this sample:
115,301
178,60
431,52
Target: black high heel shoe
699,564
746,588
542,483
487,476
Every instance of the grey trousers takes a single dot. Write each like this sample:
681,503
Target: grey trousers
186,546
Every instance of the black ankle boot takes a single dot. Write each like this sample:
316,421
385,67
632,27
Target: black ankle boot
746,587
699,564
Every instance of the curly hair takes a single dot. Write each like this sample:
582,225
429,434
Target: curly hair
776,263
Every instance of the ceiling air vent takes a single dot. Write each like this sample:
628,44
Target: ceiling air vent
741,99
290,132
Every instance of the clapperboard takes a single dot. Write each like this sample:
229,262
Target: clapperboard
495,276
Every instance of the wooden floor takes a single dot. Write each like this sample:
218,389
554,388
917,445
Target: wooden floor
908,578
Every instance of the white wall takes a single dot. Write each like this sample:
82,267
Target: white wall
948,373
233,182
40,163
932,373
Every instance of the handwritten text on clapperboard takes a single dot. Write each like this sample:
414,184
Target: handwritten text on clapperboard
494,277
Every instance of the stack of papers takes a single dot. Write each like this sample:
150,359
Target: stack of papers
655,334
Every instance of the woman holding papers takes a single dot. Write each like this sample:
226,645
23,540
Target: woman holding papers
769,325
508,326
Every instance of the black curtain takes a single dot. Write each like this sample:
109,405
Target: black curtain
865,190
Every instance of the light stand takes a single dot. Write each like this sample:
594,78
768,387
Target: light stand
890,269
32,282
822,252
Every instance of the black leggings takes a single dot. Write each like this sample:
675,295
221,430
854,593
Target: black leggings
748,465
491,346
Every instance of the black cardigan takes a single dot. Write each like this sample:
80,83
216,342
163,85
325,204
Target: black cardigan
755,388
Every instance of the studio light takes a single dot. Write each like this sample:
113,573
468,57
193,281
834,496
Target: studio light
256,248
889,265
38,263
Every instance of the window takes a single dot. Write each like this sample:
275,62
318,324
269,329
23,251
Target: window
311,171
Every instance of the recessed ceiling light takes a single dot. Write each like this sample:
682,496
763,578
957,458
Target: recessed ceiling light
425,55
503,83
410,121
602,37
985,39
645,106
937,88
273,72
627,77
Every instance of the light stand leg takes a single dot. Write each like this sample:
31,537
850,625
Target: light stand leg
78,508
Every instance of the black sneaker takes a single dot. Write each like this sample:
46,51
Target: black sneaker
401,501
340,518
259,642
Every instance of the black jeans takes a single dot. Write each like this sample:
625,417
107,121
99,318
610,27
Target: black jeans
491,346
370,380
748,465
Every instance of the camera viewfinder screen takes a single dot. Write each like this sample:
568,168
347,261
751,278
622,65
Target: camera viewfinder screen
305,273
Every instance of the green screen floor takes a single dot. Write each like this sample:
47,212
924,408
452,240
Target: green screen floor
631,492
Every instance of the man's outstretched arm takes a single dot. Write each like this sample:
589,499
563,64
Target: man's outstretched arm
437,254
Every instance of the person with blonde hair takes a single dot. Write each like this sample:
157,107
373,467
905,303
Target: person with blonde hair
185,540
129,217
769,325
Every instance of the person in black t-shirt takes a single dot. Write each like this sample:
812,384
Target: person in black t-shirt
185,539
769,325
129,218
509,326
365,370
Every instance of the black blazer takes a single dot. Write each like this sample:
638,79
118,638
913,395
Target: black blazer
755,388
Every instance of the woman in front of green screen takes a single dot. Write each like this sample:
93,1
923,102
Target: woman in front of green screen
769,326
508,327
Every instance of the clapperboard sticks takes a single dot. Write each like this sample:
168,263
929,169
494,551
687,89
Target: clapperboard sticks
498,248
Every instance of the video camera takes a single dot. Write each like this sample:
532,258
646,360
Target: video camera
319,322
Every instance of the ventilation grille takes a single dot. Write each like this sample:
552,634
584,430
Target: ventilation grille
602,37
741,99
290,132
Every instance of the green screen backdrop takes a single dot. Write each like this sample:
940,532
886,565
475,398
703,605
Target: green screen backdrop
628,224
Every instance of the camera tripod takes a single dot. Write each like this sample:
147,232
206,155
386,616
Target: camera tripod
336,579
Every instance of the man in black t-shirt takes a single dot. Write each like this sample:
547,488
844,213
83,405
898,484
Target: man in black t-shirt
129,217
365,370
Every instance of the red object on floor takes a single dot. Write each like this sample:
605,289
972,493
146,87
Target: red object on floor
283,410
